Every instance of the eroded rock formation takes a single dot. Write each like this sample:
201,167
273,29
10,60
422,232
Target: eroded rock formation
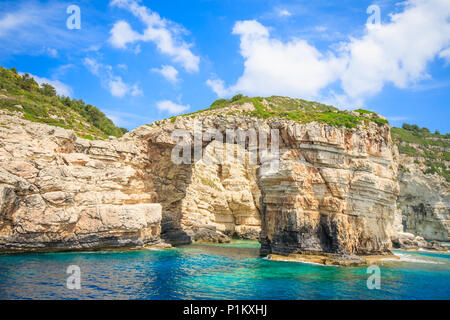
60,192
424,201
335,191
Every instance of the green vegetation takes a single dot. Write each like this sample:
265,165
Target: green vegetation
298,110
210,183
421,143
362,111
41,104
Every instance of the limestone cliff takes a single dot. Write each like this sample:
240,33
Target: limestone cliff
335,189
424,199
60,192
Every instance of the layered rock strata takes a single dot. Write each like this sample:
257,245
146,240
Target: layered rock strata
60,192
424,201
335,191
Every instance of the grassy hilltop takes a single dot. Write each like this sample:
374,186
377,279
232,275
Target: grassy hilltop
298,110
42,104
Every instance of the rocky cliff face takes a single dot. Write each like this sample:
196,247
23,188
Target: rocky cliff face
424,201
201,201
60,192
335,191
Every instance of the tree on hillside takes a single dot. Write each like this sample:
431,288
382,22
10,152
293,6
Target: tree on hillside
28,82
48,90
237,97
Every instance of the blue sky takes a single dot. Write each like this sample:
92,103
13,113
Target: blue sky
141,61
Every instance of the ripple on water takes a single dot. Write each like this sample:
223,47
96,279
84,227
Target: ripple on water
231,271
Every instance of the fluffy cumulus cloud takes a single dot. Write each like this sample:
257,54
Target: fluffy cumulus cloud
168,72
115,85
171,107
396,52
61,88
293,68
162,32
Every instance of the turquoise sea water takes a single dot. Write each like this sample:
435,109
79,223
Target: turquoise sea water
227,271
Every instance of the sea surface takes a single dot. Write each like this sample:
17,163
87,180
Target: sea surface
225,271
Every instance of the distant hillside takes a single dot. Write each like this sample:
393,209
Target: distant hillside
41,104
432,150
298,110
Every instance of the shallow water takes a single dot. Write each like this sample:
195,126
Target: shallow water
226,271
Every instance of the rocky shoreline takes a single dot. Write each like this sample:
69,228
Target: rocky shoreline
333,259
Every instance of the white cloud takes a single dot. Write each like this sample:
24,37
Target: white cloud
445,54
61,88
162,32
168,72
218,86
136,90
321,28
397,52
12,21
294,68
171,107
284,13
122,34
115,85
52,52
93,66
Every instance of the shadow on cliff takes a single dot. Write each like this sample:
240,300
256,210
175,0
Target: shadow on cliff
168,182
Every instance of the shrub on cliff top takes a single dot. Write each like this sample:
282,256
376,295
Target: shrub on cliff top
421,143
299,110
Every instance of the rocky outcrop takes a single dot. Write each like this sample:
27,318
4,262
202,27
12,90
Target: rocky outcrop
424,201
201,202
60,192
408,241
335,191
